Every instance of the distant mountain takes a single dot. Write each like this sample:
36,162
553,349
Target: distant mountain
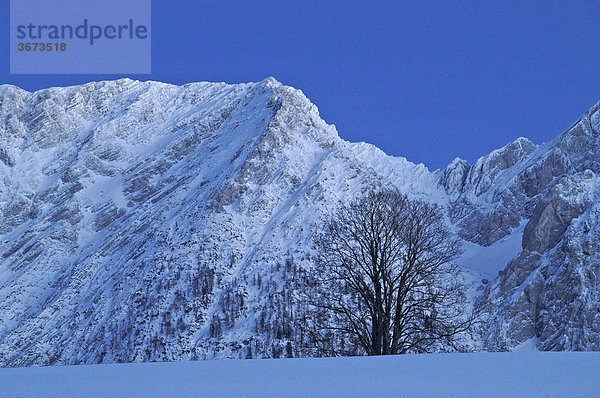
141,221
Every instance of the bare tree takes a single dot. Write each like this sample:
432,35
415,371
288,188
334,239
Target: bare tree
384,282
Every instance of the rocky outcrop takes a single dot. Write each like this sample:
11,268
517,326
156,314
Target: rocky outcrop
455,176
554,213
485,171
549,292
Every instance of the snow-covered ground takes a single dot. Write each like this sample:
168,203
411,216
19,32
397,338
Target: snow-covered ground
525,374
487,261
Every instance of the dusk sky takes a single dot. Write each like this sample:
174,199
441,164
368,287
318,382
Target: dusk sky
425,80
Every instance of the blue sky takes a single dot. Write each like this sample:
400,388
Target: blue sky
426,80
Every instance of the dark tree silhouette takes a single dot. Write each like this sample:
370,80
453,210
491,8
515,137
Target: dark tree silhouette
384,282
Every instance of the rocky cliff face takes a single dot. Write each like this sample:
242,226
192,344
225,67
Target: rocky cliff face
488,200
145,221
549,293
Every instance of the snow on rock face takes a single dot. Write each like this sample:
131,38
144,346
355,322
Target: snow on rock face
581,142
568,199
144,221
455,176
549,292
491,204
483,173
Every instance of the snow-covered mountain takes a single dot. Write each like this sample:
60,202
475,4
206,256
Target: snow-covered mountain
144,221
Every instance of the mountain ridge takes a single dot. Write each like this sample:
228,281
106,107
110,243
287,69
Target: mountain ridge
145,221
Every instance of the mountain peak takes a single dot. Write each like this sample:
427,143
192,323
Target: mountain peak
455,175
271,82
